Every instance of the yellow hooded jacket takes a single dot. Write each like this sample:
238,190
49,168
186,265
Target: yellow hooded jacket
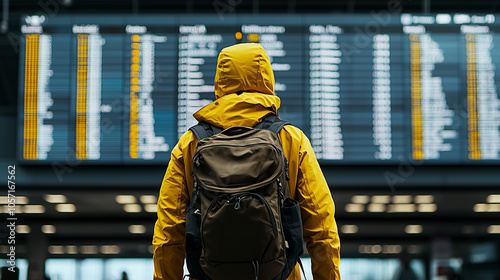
244,87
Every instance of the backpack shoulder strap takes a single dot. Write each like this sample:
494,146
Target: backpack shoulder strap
272,123
203,130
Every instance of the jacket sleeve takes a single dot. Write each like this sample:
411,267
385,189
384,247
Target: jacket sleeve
318,211
169,231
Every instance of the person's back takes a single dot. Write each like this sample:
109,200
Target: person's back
244,88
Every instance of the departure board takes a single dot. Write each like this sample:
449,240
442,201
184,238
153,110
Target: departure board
366,89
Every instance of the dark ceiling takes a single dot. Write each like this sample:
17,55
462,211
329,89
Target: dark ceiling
250,6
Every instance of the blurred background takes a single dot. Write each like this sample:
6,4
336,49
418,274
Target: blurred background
399,99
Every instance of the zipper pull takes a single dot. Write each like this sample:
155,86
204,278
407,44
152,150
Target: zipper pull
286,170
196,193
196,189
196,161
237,205
281,192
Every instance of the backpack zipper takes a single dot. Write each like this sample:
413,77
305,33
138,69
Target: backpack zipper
270,211
261,198
273,220
237,205
196,156
195,195
281,193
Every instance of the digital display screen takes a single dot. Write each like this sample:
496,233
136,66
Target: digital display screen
365,89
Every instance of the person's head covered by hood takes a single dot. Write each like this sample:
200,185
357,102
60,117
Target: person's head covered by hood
243,68
244,88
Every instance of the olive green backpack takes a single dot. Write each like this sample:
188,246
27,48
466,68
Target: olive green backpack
241,222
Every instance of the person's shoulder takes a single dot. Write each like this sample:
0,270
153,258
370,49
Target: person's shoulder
293,133
187,138
188,135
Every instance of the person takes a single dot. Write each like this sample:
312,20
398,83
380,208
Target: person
405,272
244,91
449,272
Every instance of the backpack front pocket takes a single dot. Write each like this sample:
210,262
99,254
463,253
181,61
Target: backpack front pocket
239,234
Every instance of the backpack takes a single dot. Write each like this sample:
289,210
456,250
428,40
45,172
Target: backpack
241,222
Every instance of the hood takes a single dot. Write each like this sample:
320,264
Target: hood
245,109
244,88
243,67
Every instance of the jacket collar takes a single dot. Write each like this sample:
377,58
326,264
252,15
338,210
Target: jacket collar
244,109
